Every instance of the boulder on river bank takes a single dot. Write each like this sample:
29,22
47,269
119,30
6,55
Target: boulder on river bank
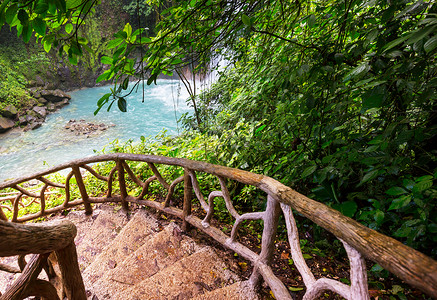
53,96
6,124
32,115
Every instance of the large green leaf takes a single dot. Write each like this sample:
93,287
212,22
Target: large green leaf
128,29
357,72
103,99
2,18
68,28
47,46
369,176
61,5
396,191
39,26
308,171
122,104
372,100
430,44
422,186
311,21
420,34
395,42
246,20
400,202
23,17
347,208
114,43
106,60
27,33
41,7
413,8
11,13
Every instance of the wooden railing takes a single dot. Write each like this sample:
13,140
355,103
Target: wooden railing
359,241
53,249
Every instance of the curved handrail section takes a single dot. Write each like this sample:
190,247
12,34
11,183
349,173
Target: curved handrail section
20,239
44,240
359,241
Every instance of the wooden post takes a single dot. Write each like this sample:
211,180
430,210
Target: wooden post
30,273
358,274
271,219
42,289
43,198
122,184
188,192
16,207
70,272
20,239
2,215
82,189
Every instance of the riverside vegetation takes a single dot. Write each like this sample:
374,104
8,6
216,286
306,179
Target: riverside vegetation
26,68
336,99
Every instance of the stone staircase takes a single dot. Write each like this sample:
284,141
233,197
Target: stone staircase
135,256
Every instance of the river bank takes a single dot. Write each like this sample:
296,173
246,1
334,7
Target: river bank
23,153
34,110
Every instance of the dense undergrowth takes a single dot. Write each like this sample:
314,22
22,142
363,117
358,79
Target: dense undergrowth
336,99
318,245
316,242
12,62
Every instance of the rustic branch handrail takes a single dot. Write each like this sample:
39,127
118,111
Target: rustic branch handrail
410,265
18,239
41,240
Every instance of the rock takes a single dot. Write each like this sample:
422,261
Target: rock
51,107
54,95
39,81
65,101
30,119
42,101
31,84
35,92
50,85
9,111
64,73
41,111
22,120
6,124
32,126
61,103
82,127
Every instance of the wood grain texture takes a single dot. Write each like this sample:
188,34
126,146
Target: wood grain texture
70,272
16,239
18,290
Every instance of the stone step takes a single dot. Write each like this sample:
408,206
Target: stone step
96,231
6,279
135,259
237,291
191,276
132,236
160,251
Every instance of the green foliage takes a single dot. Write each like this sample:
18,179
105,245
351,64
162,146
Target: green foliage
141,8
337,100
12,86
334,98
191,145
